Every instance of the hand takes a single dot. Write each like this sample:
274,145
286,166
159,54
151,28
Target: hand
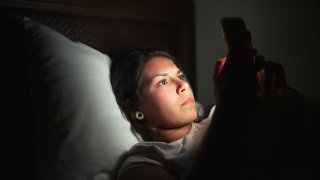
260,123
244,74
235,75
272,79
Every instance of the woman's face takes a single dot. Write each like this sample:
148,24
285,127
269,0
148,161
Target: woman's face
166,98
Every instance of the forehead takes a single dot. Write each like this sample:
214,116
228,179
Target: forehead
158,64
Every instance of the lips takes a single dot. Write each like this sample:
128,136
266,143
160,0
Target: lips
188,101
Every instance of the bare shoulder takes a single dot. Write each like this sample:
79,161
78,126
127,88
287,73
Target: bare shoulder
146,173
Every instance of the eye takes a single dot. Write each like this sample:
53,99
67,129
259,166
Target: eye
162,82
182,77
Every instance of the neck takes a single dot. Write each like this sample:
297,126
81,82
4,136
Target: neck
170,135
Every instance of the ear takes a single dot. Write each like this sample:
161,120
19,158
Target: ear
130,108
127,104
132,115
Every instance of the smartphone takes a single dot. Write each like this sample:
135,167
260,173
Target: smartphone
233,28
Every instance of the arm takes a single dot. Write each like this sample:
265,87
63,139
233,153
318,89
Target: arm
261,126
147,173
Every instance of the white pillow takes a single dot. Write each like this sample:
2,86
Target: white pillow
79,130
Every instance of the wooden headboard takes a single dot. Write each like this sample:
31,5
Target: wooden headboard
113,26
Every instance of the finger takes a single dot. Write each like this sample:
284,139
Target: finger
268,78
259,62
219,66
280,79
274,78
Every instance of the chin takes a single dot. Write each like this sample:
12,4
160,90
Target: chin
194,115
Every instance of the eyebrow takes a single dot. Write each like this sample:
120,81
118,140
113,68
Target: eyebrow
164,74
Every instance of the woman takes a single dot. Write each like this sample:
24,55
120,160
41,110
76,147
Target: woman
155,96
254,128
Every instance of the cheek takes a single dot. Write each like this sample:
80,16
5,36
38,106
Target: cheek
157,102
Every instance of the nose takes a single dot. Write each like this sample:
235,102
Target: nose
182,86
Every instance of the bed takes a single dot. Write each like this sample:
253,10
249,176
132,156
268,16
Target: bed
60,52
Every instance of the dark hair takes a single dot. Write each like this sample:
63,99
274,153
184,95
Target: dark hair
125,74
